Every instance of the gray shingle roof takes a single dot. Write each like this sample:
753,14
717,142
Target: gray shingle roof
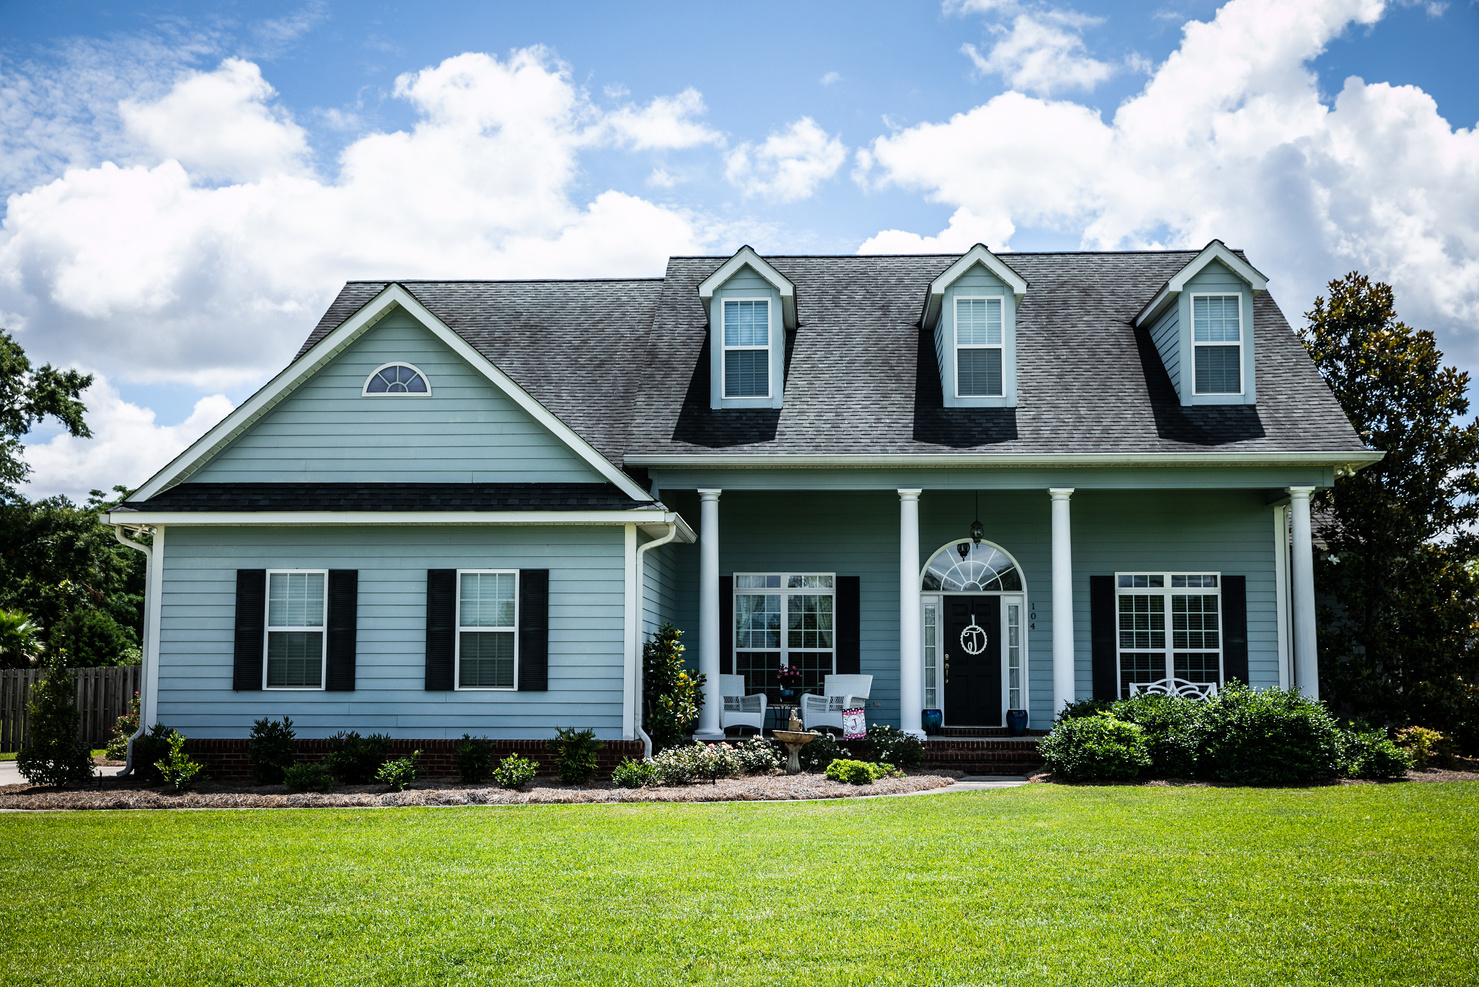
625,363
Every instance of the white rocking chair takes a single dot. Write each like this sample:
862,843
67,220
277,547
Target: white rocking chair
737,709
1175,687
839,692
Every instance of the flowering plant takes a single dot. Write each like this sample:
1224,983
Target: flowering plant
789,677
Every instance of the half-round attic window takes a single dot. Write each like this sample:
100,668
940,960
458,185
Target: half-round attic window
397,379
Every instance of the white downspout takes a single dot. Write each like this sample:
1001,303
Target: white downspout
642,551
147,642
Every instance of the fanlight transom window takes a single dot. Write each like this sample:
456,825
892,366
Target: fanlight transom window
397,378
983,569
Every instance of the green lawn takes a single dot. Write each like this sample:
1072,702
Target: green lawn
1035,885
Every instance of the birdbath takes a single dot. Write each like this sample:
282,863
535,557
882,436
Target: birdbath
794,739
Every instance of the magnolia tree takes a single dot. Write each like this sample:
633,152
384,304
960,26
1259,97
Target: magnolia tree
671,696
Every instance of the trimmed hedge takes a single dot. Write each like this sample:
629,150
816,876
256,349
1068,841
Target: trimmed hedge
1096,748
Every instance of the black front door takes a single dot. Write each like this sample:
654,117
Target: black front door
972,681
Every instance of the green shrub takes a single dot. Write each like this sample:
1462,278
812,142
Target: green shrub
473,758
1427,748
177,770
1077,709
894,746
271,749
1371,754
53,755
631,773
671,696
852,772
1268,737
1095,748
398,772
308,777
515,772
1172,726
821,752
575,754
757,755
20,639
356,760
92,638
123,728
149,749
696,762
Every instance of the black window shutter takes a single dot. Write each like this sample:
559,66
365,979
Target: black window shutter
726,625
441,628
343,619
251,616
848,628
1102,635
1235,628
534,630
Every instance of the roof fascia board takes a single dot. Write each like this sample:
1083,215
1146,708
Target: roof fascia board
340,518
746,257
1154,459
1214,251
392,297
979,254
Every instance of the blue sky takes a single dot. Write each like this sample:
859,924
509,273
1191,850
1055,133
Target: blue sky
189,183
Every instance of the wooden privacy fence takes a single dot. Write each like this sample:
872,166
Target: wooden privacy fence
103,695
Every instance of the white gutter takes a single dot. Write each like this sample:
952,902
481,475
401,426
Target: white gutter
637,517
148,641
642,551
1056,460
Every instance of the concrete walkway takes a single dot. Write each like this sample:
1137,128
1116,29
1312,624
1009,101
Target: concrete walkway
11,775
970,783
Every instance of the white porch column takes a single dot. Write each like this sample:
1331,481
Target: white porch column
708,614
1306,666
911,651
1063,677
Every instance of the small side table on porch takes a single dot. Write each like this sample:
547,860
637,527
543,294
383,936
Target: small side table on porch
782,713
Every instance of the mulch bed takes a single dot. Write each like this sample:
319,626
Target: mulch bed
128,794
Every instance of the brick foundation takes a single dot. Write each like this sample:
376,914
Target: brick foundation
230,760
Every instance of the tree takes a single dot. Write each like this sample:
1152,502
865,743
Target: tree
53,755
671,698
26,397
1401,644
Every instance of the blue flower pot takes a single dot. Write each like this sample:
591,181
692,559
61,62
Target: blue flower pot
1017,722
931,720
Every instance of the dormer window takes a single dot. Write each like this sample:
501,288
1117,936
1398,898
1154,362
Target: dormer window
747,348
979,347
1217,342
396,379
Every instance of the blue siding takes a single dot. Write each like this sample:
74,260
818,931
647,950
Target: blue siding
587,581
466,431
1166,335
747,284
979,280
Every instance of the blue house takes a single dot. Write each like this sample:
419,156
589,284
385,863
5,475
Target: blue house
990,482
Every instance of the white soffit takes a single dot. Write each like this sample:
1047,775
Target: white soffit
979,254
1214,251
746,257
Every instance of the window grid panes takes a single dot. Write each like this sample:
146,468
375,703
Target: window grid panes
1191,650
747,348
1217,340
487,615
765,604
979,349
295,629
1014,657
397,379
983,569
931,655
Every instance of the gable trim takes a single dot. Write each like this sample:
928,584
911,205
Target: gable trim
746,257
394,296
1214,251
979,254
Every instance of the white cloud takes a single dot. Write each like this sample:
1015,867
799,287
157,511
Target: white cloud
127,445
789,165
1229,138
143,269
1042,52
830,78
665,123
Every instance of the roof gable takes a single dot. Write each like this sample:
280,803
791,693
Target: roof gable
978,254
1215,252
746,257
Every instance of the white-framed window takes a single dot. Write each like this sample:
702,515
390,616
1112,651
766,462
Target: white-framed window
1015,682
746,347
295,645
931,655
784,619
1217,343
980,347
1151,648
396,380
487,629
